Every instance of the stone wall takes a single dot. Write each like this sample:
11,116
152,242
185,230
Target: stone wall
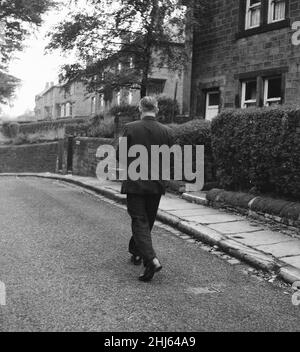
84,155
29,158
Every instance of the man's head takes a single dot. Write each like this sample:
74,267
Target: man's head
148,105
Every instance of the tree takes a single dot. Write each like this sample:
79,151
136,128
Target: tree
138,34
16,19
8,85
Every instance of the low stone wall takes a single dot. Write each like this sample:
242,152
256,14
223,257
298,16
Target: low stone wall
279,210
84,155
29,158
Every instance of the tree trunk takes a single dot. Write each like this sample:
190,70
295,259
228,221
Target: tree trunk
143,90
148,47
146,70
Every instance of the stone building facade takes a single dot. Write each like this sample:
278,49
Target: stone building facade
56,102
246,53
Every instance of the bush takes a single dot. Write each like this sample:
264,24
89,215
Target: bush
100,128
168,109
42,126
258,149
78,129
11,129
196,132
125,110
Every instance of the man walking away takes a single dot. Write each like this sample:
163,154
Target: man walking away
143,196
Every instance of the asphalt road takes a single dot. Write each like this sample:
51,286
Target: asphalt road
64,261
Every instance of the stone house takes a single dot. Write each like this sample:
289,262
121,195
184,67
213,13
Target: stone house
245,53
56,102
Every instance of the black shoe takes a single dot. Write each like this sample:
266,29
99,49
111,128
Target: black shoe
136,260
151,268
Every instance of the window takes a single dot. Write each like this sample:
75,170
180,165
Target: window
249,93
156,86
131,64
272,91
253,13
68,109
102,102
119,98
212,104
259,16
263,88
63,110
93,103
276,10
130,97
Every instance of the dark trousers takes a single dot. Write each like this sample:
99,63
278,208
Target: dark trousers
142,210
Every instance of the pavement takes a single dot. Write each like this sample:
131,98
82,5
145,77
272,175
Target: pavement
65,266
241,237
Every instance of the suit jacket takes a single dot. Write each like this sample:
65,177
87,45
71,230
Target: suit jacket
146,132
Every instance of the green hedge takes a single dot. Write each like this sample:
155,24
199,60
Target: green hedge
34,127
197,132
168,109
100,128
10,129
125,110
258,149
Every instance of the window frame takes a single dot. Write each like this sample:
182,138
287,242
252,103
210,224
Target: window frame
244,102
260,76
266,91
118,98
93,105
265,25
130,97
131,62
102,101
270,12
249,8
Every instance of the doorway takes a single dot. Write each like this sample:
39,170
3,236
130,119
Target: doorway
212,104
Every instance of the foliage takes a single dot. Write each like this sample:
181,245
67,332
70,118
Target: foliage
16,17
150,32
10,129
8,85
168,109
100,128
196,132
258,149
125,110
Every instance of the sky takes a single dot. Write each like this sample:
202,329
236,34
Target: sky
34,67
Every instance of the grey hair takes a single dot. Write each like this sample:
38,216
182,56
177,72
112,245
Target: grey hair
149,104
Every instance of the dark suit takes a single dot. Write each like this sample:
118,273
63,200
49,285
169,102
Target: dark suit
143,197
